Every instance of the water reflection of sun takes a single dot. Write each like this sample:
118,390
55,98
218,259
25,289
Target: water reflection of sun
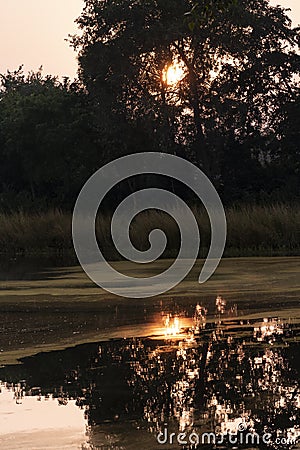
173,73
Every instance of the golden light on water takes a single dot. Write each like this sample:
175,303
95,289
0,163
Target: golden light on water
173,73
172,325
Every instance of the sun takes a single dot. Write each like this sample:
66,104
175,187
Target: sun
173,73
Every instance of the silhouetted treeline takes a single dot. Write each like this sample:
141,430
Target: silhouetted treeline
234,110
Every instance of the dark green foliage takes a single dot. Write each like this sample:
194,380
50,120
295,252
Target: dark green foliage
46,140
234,112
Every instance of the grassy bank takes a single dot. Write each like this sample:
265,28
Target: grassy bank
252,231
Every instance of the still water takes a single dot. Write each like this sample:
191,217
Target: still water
113,395
83,371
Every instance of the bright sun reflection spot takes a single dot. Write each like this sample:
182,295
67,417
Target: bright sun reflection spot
172,325
173,73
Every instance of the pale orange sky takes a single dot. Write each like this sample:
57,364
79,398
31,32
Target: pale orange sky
32,33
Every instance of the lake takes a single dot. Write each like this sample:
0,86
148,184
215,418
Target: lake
83,369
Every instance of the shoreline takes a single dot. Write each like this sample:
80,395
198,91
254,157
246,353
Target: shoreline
61,307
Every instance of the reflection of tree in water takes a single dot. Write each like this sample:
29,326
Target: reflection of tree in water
256,386
191,385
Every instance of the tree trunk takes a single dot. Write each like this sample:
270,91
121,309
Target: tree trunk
200,148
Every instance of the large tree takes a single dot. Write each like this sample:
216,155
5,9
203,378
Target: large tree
238,60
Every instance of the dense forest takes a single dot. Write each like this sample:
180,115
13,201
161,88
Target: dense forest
234,111
216,82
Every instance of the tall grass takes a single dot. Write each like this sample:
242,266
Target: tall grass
37,232
256,230
252,230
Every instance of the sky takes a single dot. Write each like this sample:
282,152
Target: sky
33,33
33,424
